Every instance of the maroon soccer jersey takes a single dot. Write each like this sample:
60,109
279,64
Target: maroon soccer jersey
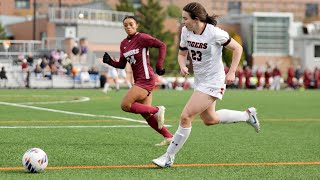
135,50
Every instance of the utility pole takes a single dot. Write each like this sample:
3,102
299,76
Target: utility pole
60,3
34,18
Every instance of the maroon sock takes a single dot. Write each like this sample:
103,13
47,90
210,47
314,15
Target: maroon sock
138,108
152,121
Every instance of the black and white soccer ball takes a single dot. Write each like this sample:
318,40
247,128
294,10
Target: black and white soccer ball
34,160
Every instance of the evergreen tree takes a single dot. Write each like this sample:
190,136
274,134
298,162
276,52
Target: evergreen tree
2,32
152,16
125,5
227,54
174,11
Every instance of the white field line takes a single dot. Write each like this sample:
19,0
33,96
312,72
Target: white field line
68,127
72,113
82,99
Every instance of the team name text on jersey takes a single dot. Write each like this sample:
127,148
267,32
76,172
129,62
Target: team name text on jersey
131,52
130,55
198,45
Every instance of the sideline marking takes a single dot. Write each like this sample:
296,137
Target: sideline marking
59,121
61,127
72,113
176,165
82,99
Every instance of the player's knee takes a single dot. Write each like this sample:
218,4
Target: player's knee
209,121
185,119
126,107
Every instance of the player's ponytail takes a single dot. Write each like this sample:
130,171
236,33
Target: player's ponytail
196,10
211,19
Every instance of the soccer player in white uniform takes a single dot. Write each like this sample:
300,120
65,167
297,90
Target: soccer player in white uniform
204,42
112,74
122,74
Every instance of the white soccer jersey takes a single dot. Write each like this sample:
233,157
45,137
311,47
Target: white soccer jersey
205,51
111,72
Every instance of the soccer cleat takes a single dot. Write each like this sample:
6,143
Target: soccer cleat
160,116
253,119
165,142
164,161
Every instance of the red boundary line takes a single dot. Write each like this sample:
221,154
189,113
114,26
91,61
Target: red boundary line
176,165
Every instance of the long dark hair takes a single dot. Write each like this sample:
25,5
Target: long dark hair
131,17
197,10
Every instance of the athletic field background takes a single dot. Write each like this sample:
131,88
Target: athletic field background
86,135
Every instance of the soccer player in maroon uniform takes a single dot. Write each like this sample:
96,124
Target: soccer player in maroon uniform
290,77
134,49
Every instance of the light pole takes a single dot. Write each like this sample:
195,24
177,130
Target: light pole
34,18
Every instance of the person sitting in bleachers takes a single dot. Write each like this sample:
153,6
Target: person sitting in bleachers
3,77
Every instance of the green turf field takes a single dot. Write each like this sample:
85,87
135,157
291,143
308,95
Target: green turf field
83,141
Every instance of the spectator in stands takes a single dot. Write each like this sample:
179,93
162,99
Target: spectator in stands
38,71
47,72
307,78
298,75
3,74
290,77
276,83
24,68
240,74
176,84
248,75
94,70
162,83
83,50
54,68
259,74
74,72
84,75
55,55
316,78
67,64
186,84
267,75
30,60
19,59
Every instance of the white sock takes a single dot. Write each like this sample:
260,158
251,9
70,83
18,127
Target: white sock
179,138
106,87
117,86
129,84
231,116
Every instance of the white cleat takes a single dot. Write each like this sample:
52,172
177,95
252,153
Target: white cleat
164,161
160,116
253,119
165,142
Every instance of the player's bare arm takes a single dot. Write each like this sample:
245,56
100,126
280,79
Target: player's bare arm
182,57
236,49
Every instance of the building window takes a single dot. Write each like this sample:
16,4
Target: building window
136,3
234,7
311,9
22,4
317,51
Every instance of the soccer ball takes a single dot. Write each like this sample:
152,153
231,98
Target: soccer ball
34,160
81,16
